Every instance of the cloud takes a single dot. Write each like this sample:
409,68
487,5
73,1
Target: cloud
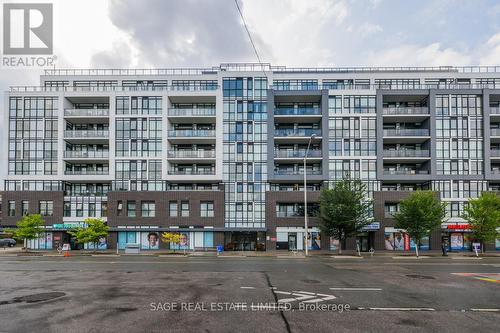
490,53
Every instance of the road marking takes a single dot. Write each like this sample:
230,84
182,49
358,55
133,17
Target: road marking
410,257
466,258
489,277
398,309
485,310
303,296
247,287
347,257
357,289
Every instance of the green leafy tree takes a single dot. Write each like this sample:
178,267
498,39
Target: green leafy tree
95,229
483,215
29,227
419,214
344,209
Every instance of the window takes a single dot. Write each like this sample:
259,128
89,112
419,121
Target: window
104,209
131,209
148,209
67,209
92,210
172,208
12,208
185,208
207,209
79,209
24,207
119,208
46,208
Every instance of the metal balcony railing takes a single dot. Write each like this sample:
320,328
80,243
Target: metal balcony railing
192,172
406,153
191,154
86,172
191,133
406,132
203,112
405,110
86,154
306,132
86,112
297,111
86,133
282,153
406,172
285,172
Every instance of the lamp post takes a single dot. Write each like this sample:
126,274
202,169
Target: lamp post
305,194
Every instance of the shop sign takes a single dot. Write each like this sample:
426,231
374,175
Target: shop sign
69,225
371,226
457,226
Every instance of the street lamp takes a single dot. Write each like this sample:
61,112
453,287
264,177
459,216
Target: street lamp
305,194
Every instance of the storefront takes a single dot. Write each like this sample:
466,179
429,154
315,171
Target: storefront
151,240
245,241
398,240
292,238
458,236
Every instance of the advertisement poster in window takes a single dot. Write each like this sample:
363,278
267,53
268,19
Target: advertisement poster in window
184,242
389,241
456,241
334,244
424,244
314,241
150,241
497,244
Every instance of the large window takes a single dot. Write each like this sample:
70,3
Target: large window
207,209
46,208
148,209
185,208
25,207
131,209
12,208
173,209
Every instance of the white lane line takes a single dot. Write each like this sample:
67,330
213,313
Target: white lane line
466,258
485,310
357,289
247,287
398,309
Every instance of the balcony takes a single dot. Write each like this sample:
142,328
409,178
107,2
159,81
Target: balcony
289,172
494,131
406,153
86,134
191,154
86,172
405,172
495,153
192,133
495,110
297,111
191,172
405,110
202,112
86,154
299,153
407,132
291,132
86,112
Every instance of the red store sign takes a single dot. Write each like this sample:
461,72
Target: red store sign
457,226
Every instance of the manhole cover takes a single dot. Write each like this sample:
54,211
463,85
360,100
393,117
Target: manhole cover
38,297
422,277
310,281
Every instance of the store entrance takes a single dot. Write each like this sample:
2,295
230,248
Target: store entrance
365,241
292,241
73,244
244,241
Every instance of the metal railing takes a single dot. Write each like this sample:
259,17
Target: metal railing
86,154
86,172
300,153
495,171
406,153
191,112
191,172
86,133
286,172
406,132
306,132
191,154
405,110
86,112
196,87
406,172
297,111
191,133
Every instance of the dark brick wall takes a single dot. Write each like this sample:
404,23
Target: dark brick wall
33,197
161,200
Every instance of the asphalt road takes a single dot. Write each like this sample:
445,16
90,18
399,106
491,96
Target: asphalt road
208,294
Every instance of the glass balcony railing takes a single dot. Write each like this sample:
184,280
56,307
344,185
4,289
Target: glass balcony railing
285,172
86,154
86,112
191,154
191,133
297,111
406,132
202,112
405,110
86,172
306,132
406,153
405,172
495,153
191,172
495,131
494,110
281,153
86,133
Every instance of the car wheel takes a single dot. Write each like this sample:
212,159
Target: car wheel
11,245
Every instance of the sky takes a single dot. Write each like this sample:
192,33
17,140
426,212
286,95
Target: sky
301,33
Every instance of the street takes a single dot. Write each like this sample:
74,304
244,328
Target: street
267,294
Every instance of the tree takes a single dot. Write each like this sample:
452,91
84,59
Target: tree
483,215
171,238
94,230
344,209
419,214
30,227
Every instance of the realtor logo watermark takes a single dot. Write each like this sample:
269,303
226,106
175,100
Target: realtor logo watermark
27,35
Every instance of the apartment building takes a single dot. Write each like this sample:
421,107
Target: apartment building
219,154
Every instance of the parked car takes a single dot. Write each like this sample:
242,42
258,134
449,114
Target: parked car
4,242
